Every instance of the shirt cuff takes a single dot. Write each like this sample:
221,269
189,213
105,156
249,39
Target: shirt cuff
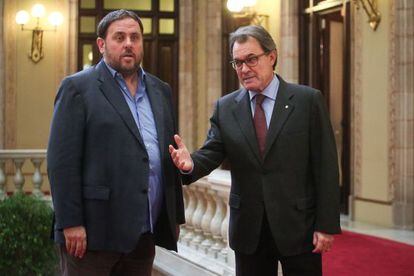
190,171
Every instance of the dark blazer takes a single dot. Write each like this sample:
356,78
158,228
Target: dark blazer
98,165
296,183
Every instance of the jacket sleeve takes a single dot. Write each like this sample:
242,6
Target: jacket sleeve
324,168
64,156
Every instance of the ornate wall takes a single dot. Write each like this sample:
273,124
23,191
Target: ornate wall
402,113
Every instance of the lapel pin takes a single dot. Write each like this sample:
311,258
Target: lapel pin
286,106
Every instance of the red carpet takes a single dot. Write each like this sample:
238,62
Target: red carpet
361,255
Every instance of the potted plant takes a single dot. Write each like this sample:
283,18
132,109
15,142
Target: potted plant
25,244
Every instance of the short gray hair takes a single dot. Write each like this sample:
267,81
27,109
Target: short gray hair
257,32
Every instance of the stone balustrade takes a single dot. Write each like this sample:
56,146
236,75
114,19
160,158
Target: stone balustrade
203,244
11,164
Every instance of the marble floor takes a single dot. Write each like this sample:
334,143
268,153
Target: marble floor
405,236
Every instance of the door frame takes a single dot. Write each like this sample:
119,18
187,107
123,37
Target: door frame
312,68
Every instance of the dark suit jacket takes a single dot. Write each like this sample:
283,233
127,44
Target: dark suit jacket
98,165
296,183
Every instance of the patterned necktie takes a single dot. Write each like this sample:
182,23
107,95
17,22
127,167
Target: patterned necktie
260,123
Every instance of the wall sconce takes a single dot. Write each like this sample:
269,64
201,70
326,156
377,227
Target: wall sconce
38,12
371,9
244,9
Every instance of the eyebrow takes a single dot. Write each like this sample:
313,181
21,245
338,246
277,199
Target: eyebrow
121,32
248,56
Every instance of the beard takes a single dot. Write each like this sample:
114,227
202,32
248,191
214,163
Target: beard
125,69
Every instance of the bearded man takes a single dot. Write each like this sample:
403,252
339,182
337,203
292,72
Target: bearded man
116,192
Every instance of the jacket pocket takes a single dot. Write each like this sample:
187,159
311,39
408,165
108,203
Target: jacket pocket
305,203
234,201
96,192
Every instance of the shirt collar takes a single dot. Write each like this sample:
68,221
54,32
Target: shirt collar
114,73
270,91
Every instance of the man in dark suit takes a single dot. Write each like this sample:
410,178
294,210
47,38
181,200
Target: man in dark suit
284,198
115,189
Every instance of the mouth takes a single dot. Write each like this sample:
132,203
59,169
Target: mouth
128,55
246,79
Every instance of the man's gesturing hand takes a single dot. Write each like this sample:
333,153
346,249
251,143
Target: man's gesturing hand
180,156
75,240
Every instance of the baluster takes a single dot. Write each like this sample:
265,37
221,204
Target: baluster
216,226
183,229
37,177
189,211
18,176
206,221
224,229
2,180
197,217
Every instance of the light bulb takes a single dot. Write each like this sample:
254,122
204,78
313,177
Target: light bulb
22,17
234,5
90,56
55,18
38,10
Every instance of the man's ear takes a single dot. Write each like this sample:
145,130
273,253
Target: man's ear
101,44
273,56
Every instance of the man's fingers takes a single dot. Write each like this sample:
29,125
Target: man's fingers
322,247
318,248
68,246
171,149
178,141
322,242
75,240
80,248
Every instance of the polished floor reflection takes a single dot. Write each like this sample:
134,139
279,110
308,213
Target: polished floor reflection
405,236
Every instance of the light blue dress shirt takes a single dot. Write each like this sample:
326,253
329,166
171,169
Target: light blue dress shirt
144,118
269,101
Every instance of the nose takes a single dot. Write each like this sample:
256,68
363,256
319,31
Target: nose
244,68
128,42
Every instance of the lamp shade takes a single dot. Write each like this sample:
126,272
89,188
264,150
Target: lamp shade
22,17
55,18
234,5
38,10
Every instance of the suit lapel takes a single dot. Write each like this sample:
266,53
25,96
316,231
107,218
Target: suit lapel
243,115
112,92
155,97
281,111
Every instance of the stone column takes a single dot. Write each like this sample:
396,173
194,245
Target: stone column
73,36
402,113
357,23
2,70
199,67
9,84
288,60
187,73
213,48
